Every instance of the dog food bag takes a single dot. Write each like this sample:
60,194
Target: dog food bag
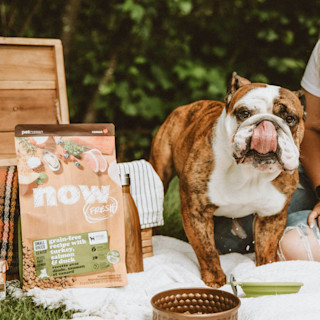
72,219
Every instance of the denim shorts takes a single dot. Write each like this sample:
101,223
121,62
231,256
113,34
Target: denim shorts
301,204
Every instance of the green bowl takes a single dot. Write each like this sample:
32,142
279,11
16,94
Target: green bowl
257,289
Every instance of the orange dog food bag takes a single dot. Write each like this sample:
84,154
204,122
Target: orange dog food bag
71,206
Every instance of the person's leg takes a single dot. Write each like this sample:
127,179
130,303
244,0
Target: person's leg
299,241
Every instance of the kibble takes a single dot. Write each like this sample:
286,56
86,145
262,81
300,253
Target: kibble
30,279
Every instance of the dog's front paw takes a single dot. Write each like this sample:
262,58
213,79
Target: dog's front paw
214,279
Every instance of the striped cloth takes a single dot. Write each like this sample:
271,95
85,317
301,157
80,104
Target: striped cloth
8,213
147,191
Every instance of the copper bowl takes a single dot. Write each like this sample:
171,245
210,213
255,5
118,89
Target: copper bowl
195,303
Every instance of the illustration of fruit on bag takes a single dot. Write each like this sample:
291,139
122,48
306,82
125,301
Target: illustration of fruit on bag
71,206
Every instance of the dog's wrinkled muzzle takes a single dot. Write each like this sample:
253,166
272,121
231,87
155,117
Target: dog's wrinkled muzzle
266,144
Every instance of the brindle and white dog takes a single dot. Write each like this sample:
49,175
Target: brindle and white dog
233,159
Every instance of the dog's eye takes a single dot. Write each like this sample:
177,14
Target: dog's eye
243,114
291,120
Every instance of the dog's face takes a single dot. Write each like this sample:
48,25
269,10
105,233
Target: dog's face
264,124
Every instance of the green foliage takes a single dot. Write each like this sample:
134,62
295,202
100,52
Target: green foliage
173,226
134,61
24,308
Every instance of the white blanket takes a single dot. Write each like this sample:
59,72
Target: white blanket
173,265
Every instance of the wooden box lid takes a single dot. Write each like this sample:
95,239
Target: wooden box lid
32,88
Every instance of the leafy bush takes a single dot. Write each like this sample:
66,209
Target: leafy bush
173,226
133,61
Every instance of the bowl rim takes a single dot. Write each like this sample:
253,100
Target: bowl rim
270,284
186,290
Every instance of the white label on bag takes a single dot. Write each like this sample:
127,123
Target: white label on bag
98,237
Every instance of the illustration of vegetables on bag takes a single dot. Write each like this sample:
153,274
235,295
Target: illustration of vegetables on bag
50,152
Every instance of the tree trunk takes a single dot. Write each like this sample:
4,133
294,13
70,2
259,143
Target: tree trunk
29,18
4,23
69,21
92,113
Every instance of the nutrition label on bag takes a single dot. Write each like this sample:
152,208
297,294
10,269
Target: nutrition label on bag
73,254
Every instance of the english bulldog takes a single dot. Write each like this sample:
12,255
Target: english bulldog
233,159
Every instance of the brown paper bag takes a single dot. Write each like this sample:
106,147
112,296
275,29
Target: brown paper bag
71,206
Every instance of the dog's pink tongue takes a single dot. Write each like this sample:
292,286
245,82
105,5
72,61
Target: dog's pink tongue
264,138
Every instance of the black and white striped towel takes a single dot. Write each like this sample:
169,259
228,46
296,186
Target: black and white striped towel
147,191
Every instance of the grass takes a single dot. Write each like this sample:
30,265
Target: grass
24,309
20,307
172,220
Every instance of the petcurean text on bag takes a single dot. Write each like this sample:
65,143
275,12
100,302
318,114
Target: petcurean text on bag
71,206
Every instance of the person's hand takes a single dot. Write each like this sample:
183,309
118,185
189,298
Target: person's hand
313,215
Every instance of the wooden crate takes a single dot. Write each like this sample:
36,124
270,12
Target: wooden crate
146,238
32,87
33,90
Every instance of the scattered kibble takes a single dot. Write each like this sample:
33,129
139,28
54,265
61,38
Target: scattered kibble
30,279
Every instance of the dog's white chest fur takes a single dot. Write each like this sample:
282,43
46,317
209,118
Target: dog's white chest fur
238,196
239,190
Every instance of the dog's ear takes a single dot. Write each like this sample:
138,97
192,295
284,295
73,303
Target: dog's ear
302,98
233,85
